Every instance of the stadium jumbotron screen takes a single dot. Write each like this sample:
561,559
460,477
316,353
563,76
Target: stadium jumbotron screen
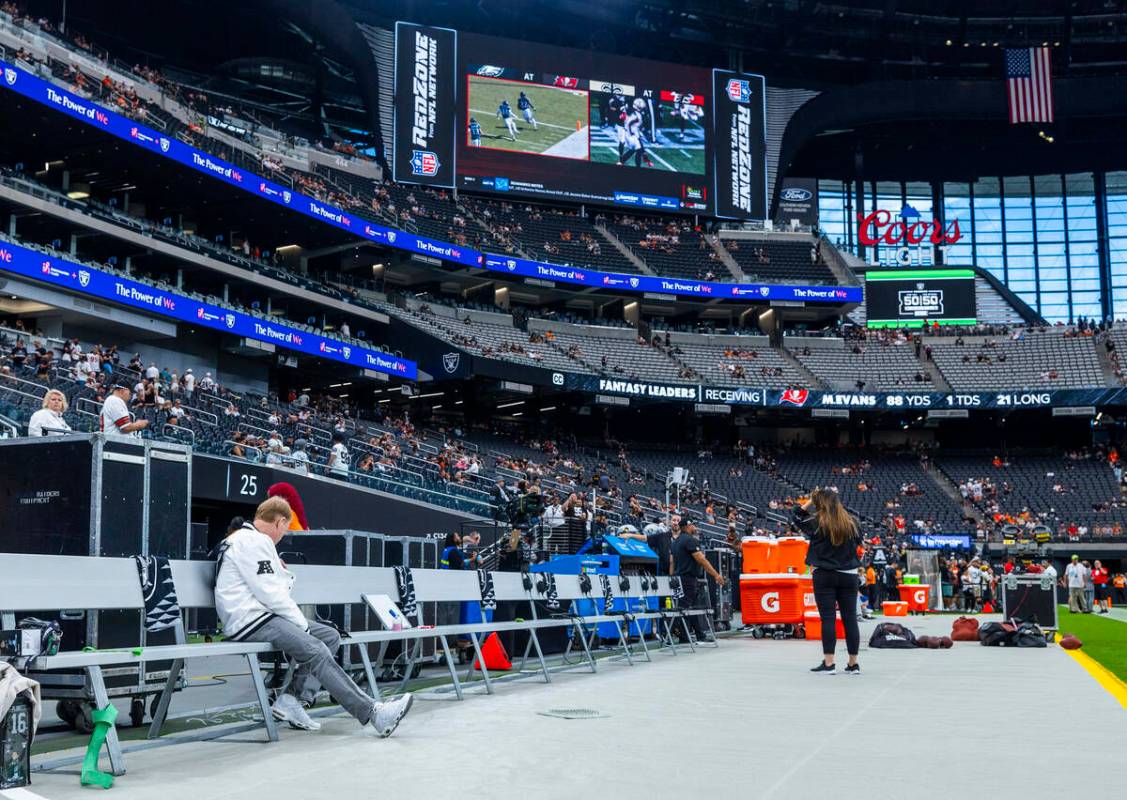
909,298
554,124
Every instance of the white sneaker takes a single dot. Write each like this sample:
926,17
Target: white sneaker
287,709
387,716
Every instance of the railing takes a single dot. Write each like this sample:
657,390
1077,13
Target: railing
177,432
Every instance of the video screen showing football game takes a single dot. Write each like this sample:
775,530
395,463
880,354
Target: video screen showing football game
547,122
524,117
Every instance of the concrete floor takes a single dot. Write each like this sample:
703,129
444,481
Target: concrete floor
746,720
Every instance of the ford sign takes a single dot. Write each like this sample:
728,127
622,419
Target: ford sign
795,195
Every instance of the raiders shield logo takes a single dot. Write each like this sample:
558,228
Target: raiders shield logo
346,351
164,144
83,278
286,196
450,362
230,320
765,290
391,237
634,283
10,75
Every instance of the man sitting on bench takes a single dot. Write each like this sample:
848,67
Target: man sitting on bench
252,598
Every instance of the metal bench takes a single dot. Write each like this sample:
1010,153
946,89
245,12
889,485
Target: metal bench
94,584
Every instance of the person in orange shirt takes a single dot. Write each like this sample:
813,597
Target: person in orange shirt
872,588
1119,585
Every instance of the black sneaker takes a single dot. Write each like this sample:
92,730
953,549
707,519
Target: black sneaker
824,670
854,670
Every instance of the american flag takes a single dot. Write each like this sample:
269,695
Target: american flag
1029,85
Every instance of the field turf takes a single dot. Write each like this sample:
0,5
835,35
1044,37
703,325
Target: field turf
556,112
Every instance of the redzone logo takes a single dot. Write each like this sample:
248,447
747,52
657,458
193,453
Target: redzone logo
796,397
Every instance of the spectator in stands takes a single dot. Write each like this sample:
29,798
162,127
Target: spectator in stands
115,418
189,382
338,458
298,458
252,599
1074,579
18,356
48,421
834,539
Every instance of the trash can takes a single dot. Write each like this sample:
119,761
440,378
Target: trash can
15,745
916,596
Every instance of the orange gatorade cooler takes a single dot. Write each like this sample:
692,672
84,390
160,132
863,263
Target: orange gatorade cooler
812,621
916,595
760,555
792,553
774,598
893,608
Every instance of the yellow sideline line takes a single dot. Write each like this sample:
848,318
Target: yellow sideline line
1104,677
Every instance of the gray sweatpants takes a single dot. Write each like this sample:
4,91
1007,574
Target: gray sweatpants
314,654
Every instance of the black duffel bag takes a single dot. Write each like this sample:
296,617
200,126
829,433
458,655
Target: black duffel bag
892,636
1029,635
997,634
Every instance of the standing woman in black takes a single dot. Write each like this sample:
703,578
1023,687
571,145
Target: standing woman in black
834,537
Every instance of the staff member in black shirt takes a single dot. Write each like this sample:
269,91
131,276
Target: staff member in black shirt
834,536
687,563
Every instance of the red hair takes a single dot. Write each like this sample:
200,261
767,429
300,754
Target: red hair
288,493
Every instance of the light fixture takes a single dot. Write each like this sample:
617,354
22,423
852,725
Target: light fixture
510,405
948,42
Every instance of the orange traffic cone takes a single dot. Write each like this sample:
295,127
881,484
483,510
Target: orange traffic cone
494,654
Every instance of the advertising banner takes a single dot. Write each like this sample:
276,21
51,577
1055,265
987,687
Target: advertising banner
909,298
87,280
425,68
798,203
739,114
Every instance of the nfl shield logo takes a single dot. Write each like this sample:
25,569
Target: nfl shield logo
286,196
391,237
83,277
10,75
634,283
511,264
164,144
450,361
424,162
739,91
230,320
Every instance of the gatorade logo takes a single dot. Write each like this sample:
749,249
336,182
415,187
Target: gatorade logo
808,600
770,602
921,596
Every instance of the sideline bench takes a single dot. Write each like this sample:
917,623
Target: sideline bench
95,584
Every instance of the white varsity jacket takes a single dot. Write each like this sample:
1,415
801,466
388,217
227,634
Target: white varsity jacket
252,585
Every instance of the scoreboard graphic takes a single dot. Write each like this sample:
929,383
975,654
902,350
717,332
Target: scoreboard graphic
911,298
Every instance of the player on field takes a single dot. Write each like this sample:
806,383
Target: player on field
475,133
634,145
686,111
617,108
527,109
505,112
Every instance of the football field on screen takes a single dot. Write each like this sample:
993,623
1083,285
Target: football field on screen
556,111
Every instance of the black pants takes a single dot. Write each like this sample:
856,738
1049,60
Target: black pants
874,597
832,588
691,585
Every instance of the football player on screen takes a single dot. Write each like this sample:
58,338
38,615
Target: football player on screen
686,111
617,108
527,109
635,145
505,112
475,133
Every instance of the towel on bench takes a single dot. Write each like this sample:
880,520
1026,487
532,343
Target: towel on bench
488,595
406,583
608,593
162,608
